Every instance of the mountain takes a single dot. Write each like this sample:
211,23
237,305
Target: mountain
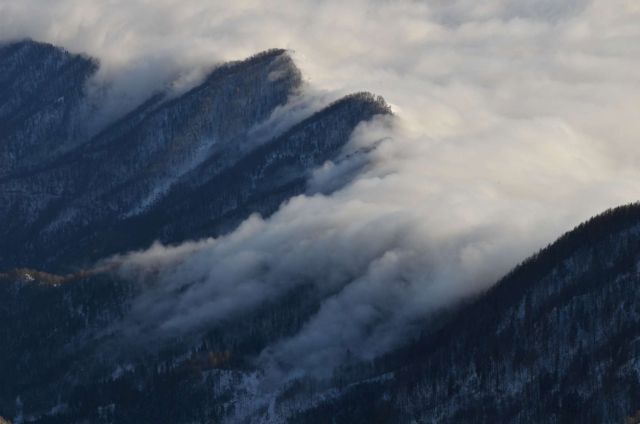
553,341
168,155
177,167
41,109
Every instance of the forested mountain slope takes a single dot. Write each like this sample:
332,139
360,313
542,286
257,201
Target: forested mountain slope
41,93
177,167
555,341
166,156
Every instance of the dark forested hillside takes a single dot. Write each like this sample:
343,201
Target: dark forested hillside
174,168
555,341
41,91
194,152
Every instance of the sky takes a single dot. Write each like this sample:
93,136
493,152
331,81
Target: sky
515,120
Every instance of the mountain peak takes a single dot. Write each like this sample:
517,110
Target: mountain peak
28,49
277,61
42,89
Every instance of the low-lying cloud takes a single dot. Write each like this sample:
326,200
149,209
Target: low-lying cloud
515,121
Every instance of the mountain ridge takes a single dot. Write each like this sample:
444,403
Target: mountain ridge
526,300
41,90
137,160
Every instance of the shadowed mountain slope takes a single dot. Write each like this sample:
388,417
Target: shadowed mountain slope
196,152
41,93
555,341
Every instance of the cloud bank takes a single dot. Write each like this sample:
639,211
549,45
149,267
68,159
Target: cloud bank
516,120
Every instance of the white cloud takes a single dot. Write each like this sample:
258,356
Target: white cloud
516,120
